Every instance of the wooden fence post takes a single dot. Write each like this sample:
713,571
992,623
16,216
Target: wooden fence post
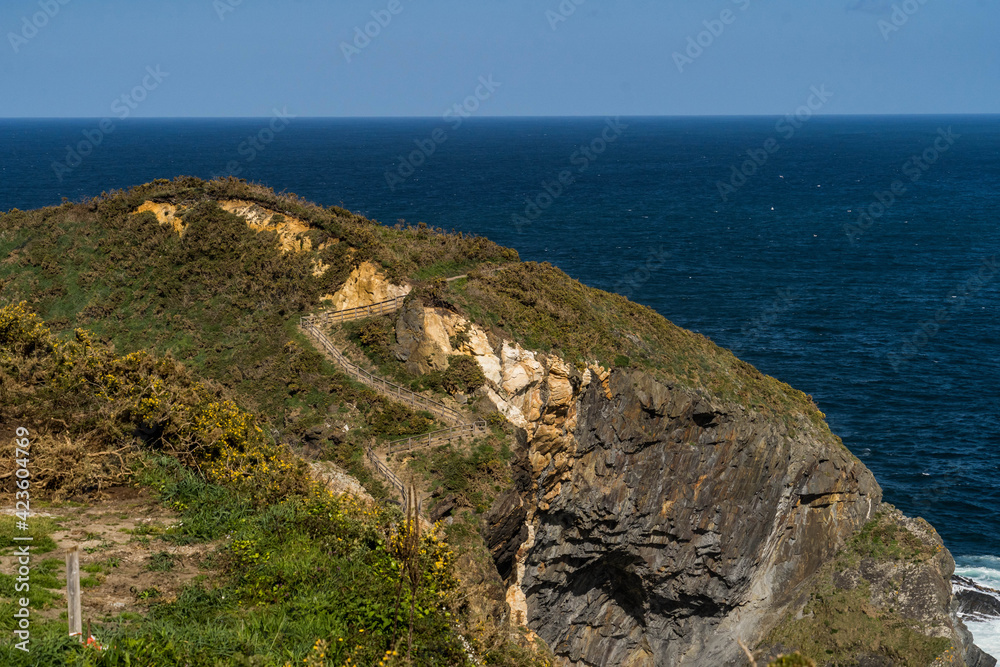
73,592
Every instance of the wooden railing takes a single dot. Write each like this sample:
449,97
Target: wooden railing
310,325
442,436
384,470
380,384
359,313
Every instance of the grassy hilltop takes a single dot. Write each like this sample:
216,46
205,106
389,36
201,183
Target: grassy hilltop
140,356
224,299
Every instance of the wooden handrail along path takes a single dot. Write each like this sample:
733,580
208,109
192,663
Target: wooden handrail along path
384,470
380,384
310,325
443,436
359,313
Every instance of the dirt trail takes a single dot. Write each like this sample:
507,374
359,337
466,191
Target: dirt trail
124,565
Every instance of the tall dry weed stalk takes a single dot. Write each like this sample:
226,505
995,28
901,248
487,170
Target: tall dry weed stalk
410,571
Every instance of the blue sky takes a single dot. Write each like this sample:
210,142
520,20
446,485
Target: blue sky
75,58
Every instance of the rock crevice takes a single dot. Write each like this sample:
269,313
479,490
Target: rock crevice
666,525
650,524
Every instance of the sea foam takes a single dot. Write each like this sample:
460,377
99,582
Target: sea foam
985,571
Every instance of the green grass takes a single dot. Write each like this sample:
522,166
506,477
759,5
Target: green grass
145,529
161,562
883,539
43,582
838,624
103,546
46,574
294,572
445,269
39,529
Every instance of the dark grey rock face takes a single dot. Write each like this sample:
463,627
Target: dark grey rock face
975,602
973,655
676,527
652,526
506,531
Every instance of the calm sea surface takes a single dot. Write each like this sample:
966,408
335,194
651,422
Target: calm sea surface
747,230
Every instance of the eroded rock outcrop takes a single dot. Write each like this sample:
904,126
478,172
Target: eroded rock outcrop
366,285
664,526
291,231
426,337
337,480
654,525
166,214
975,601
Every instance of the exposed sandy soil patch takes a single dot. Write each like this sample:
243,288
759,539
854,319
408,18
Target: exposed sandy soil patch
291,230
118,538
165,213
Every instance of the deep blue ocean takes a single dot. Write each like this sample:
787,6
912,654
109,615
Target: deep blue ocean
748,230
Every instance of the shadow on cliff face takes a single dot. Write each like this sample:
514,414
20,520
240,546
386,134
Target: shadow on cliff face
614,576
664,524
619,578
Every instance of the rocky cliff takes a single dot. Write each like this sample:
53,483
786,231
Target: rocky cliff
653,524
659,527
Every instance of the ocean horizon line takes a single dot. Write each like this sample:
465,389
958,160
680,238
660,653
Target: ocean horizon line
516,117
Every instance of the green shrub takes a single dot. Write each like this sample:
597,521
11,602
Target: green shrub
376,335
496,420
462,375
396,420
793,660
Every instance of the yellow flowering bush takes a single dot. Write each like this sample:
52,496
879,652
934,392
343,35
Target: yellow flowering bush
434,555
88,388
21,330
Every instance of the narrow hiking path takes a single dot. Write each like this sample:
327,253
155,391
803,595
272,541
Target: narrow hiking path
462,427
311,324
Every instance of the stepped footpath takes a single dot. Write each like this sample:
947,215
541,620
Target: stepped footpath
461,427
